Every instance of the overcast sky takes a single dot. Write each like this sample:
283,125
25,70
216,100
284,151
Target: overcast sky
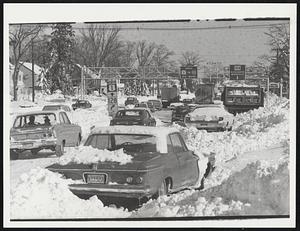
213,40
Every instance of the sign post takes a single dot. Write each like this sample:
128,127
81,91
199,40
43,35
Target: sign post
237,72
112,97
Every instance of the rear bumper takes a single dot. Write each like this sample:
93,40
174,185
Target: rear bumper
208,127
124,191
33,144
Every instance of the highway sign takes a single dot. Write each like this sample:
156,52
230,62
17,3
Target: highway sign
237,72
112,97
188,72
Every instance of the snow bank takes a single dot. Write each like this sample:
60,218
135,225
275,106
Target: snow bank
265,186
189,203
254,130
90,155
44,194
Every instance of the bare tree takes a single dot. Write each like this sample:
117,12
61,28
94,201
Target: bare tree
279,40
20,39
161,56
144,52
190,58
96,43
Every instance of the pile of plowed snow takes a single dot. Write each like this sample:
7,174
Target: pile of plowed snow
263,185
90,155
258,189
254,130
44,194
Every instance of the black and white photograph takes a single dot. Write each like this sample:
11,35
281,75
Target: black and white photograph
149,115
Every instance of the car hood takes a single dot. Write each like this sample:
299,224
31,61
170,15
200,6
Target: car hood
139,162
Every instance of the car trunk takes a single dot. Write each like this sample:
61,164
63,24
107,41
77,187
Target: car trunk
35,133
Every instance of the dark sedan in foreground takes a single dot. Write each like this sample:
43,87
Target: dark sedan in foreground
161,164
136,116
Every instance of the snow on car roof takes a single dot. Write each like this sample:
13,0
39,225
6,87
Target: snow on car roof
159,132
39,112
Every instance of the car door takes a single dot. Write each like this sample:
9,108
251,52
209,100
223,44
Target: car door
68,131
171,165
188,167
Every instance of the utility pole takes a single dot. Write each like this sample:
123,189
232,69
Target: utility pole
32,70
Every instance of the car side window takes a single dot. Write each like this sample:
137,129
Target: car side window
182,143
176,142
169,145
65,117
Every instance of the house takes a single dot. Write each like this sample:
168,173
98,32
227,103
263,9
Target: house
20,82
26,69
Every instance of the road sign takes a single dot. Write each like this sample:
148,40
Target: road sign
112,97
188,72
237,72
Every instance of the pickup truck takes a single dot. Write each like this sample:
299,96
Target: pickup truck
39,130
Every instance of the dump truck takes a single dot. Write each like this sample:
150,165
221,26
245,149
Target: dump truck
204,94
169,95
238,99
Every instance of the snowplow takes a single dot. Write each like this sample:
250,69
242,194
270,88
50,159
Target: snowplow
237,99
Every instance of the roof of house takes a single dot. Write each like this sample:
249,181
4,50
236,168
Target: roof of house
37,69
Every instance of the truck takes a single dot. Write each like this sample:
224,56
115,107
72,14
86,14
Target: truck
204,93
169,95
238,99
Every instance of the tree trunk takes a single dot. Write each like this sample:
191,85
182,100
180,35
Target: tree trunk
15,83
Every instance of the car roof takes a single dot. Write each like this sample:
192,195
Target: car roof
39,112
135,129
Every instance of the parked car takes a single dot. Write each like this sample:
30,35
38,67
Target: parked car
187,101
161,164
39,130
174,105
136,116
131,100
81,104
56,107
157,104
179,113
211,118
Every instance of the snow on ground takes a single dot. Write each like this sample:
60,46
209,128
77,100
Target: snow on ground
251,175
90,155
44,194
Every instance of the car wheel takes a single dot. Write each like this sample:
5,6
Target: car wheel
59,149
14,155
164,188
34,151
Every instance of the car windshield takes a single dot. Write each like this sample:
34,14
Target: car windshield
131,113
34,120
51,108
131,143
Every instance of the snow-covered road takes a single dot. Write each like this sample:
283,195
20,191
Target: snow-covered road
251,177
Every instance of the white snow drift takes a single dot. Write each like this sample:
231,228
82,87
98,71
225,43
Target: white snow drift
90,155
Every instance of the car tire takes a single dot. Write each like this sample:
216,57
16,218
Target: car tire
59,149
164,188
34,151
14,155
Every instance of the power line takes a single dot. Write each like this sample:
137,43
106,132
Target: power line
178,28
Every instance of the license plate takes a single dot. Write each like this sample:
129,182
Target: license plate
96,178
